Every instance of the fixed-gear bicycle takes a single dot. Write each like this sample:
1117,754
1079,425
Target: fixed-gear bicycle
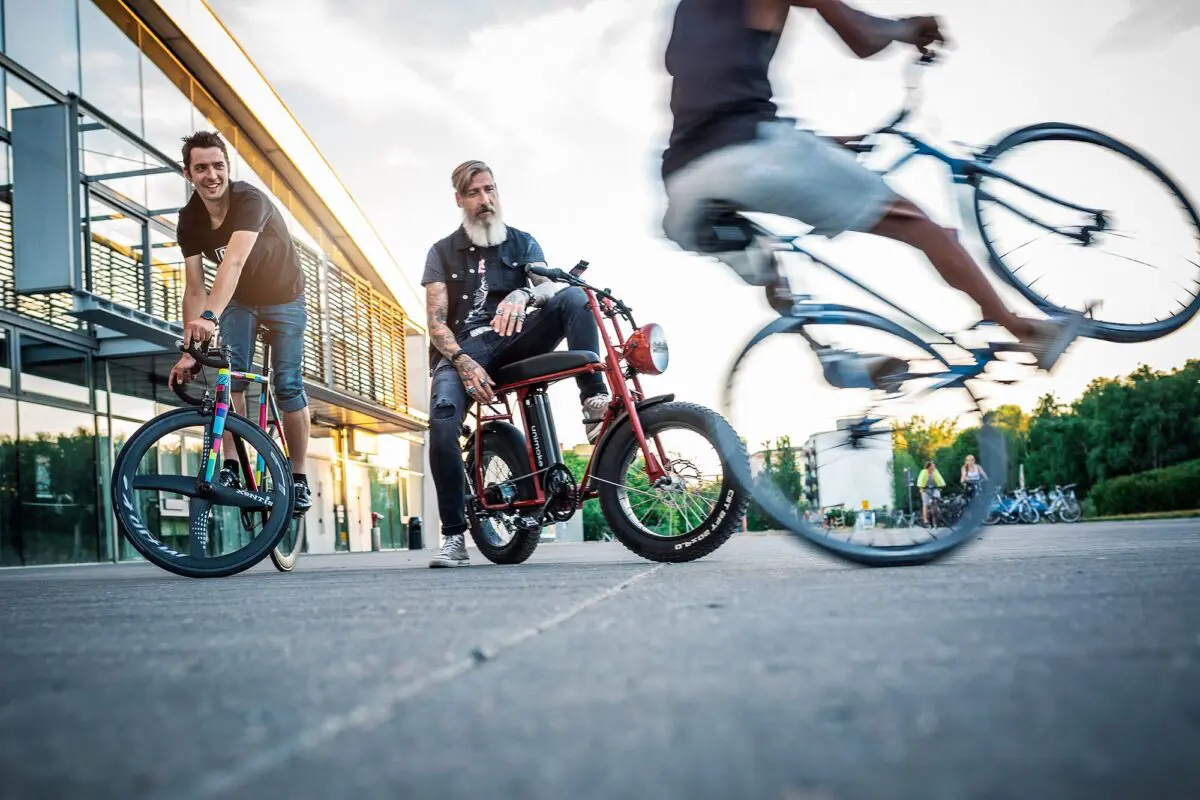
900,362
206,529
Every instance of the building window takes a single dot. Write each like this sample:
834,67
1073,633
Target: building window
5,360
42,36
9,536
56,488
111,68
51,369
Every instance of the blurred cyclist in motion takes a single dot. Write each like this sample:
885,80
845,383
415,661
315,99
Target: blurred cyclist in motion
728,145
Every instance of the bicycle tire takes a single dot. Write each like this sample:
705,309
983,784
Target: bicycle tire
784,513
134,529
522,543
283,556
715,528
1117,332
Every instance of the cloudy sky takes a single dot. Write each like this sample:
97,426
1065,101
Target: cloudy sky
566,100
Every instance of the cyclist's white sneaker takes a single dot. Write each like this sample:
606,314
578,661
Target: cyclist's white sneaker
453,553
593,414
1056,334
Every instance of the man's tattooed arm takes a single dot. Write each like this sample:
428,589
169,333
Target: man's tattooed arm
437,304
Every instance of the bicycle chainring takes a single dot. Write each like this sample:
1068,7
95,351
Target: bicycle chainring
562,493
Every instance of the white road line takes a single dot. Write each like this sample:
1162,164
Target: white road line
380,707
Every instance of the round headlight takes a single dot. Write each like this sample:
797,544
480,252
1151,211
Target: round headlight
647,351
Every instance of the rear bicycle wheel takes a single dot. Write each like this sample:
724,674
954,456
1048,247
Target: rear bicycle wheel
502,537
858,459
287,552
170,519
1149,239
1070,511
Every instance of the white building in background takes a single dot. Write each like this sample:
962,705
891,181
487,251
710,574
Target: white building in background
848,475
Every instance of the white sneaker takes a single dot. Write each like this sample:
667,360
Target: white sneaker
593,413
453,553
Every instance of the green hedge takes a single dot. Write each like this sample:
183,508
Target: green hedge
1169,489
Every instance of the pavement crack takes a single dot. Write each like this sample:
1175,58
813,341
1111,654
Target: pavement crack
380,706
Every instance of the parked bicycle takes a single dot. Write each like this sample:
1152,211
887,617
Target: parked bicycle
894,362
227,530
666,488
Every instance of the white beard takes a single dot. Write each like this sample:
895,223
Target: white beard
486,234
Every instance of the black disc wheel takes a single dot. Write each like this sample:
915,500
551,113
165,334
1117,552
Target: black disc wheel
189,526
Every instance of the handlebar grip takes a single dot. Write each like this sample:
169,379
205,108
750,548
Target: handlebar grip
204,356
186,396
545,272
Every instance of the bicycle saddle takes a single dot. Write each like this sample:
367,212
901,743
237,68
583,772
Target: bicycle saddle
544,366
721,229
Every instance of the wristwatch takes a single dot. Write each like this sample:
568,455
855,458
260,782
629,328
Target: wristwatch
454,357
210,316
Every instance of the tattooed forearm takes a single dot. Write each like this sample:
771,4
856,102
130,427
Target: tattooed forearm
543,288
437,304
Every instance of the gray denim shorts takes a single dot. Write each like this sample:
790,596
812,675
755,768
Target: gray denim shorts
786,171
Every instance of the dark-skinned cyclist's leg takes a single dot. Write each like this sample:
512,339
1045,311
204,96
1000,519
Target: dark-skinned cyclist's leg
905,222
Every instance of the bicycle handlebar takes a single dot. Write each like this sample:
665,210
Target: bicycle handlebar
203,355
558,276
183,394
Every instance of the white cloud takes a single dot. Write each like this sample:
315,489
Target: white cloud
363,72
1151,22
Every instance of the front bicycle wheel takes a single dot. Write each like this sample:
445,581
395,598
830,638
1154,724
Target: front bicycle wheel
180,523
868,404
1140,259
691,510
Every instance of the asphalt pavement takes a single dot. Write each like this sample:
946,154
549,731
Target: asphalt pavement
1048,662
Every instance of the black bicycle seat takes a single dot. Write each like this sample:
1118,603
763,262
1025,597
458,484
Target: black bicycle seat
722,229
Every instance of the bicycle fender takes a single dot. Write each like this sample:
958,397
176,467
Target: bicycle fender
623,419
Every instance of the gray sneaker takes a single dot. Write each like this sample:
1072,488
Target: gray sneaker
453,553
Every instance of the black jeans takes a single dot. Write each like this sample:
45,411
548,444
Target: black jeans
566,315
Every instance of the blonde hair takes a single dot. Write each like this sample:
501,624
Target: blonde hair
465,172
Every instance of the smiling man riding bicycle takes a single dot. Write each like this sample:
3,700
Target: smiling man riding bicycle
258,281
729,146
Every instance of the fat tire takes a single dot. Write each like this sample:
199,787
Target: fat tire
720,524
523,543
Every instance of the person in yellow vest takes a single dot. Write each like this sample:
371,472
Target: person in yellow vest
930,481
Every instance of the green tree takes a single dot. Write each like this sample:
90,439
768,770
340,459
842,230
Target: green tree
781,467
922,438
901,460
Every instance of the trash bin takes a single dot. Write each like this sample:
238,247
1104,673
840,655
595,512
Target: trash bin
415,542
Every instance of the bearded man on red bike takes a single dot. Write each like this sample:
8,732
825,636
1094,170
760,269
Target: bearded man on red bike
484,311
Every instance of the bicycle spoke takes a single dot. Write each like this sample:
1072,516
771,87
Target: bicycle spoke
176,484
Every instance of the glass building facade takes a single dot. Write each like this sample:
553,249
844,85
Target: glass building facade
72,389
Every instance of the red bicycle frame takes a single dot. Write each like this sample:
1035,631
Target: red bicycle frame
626,387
